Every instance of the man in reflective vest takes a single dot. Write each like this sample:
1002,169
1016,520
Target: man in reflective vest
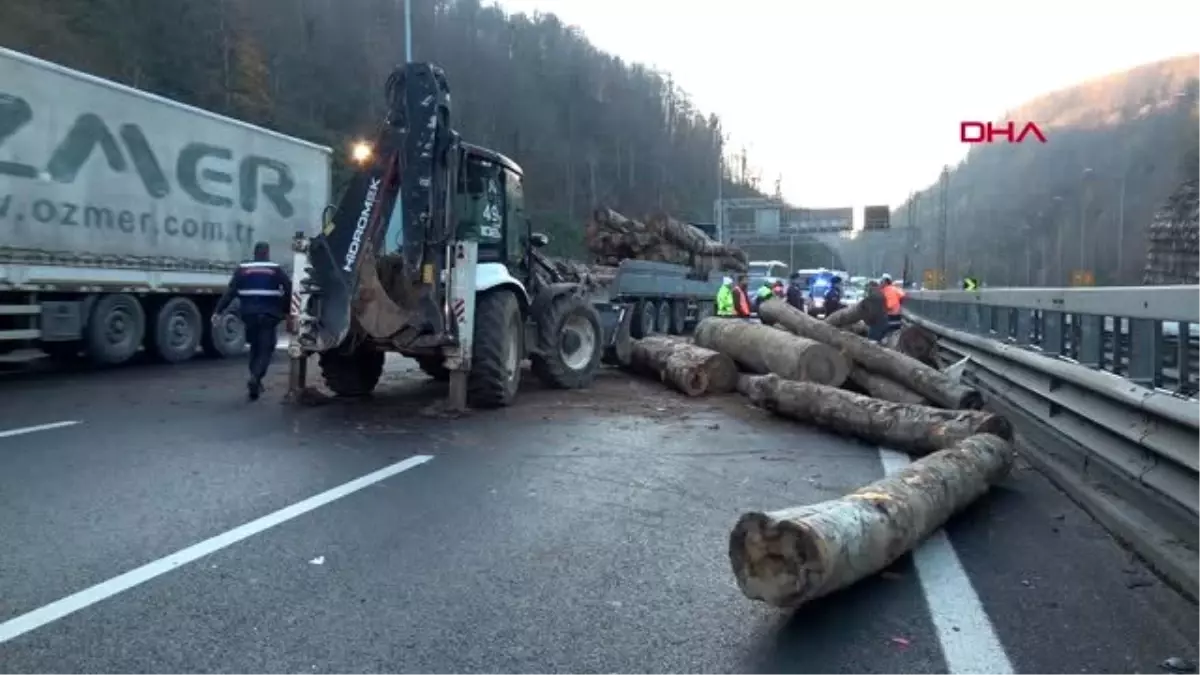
264,293
725,298
741,298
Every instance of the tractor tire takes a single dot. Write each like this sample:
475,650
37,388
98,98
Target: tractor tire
434,367
570,343
353,374
499,347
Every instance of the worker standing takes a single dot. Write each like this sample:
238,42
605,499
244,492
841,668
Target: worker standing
741,298
893,296
725,298
264,292
795,292
762,294
833,296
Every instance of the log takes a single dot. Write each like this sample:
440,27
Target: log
908,427
916,341
763,349
691,369
926,381
692,239
789,557
878,386
868,310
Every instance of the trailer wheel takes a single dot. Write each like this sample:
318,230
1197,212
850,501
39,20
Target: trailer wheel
644,316
570,343
352,374
177,330
499,347
662,322
433,366
704,309
678,317
226,338
115,329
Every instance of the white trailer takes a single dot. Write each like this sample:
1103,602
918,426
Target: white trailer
123,213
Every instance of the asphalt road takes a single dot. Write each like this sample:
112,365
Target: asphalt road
573,532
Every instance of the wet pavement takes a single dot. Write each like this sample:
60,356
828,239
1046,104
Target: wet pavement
576,531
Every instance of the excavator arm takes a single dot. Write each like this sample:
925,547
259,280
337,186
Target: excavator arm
365,270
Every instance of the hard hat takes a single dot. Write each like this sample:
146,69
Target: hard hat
885,277
726,281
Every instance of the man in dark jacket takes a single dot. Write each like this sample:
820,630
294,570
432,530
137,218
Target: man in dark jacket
795,292
264,293
833,296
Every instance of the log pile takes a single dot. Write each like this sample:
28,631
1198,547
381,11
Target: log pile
1173,240
796,368
612,237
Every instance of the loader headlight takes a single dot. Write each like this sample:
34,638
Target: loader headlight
360,152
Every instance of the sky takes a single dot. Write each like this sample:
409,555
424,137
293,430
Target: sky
857,102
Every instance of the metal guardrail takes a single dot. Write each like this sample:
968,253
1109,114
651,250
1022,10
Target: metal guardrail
1124,446
1148,334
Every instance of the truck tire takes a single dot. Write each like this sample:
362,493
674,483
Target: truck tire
662,322
678,317
644,316
115,329
570,343
704,309
227,338
178,328
433,366
352,374
497,351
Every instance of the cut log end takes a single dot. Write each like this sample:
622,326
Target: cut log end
789,557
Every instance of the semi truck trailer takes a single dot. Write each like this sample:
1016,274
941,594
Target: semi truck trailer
123,213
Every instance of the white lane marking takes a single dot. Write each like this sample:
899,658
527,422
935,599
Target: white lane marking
40,427
968,639
118,584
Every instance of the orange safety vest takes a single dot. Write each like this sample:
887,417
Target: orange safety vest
892,295
741,304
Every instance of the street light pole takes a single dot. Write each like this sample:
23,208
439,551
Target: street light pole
408,31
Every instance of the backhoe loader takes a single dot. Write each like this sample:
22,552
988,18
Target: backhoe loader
429,254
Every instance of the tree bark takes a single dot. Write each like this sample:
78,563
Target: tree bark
916,341
789,557
764,349
928,382
908,427
878,386
867,310
691,369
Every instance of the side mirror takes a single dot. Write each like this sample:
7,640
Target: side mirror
538,239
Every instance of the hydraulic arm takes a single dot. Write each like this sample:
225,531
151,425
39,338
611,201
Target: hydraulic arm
366,267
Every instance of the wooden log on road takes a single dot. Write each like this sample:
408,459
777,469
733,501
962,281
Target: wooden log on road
878,386
691,369
916,341
926,381
788,557
763,349
867,311
907,427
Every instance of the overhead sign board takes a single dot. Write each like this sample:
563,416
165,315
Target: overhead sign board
877,218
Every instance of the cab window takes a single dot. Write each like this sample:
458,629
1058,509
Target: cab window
514,228
480,207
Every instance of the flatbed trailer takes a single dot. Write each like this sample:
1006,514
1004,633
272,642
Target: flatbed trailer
662,297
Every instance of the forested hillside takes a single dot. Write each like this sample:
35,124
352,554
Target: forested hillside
585,126
1117,148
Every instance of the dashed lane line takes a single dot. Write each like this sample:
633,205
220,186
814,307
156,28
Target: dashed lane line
967,637
106,589
8,433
